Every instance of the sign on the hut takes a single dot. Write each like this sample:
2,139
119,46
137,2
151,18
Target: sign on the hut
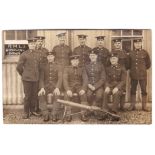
15,49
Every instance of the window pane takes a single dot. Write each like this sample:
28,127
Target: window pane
10,35
32,33
116,32
126,32
21,35
137,32
126,45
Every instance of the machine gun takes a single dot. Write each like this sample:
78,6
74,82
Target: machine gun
90,108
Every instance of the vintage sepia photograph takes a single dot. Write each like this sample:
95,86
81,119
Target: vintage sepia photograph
77,76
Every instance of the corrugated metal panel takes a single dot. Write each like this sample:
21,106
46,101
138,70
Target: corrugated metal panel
12,85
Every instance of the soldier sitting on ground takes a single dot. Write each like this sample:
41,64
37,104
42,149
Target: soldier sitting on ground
50,82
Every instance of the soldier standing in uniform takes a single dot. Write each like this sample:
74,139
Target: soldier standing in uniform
43,52
50,82
62,51
75,81
102,52
139,63
122,55
28,68
115,83
82,50
96,78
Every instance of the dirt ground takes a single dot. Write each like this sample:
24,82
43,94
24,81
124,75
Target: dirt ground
14,116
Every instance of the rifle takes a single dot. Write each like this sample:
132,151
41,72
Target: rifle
90,108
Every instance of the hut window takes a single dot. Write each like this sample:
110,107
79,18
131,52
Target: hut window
15,41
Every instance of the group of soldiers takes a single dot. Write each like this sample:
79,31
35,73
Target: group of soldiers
90,74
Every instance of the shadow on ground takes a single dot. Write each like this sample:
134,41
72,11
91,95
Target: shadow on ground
14,116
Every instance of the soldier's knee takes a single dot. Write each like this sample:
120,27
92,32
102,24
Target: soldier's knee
106,93
89,95
99,96
117,94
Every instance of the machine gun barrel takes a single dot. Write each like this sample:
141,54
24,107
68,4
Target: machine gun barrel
90,108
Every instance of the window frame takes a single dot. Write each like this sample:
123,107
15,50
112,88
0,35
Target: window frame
15,41
127,37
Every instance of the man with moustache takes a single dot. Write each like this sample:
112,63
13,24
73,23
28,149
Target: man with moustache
82,50
62,51
102,52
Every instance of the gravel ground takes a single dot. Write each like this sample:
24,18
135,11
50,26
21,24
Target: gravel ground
128,117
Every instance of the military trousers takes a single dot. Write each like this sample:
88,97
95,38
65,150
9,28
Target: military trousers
116,100
43,105
31,95
143,84
83,98
96,96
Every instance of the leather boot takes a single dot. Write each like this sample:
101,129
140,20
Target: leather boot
144,108
26,115
133,102
46,116
84,117
122,103
54,118
68,116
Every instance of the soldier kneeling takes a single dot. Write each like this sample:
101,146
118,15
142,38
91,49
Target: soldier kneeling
115,83
50,82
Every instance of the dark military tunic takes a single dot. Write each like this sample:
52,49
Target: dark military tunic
43,52
96,74
28,67
62,54
139,63
116,78
50,77
103,55
74,77
83,52
123,57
